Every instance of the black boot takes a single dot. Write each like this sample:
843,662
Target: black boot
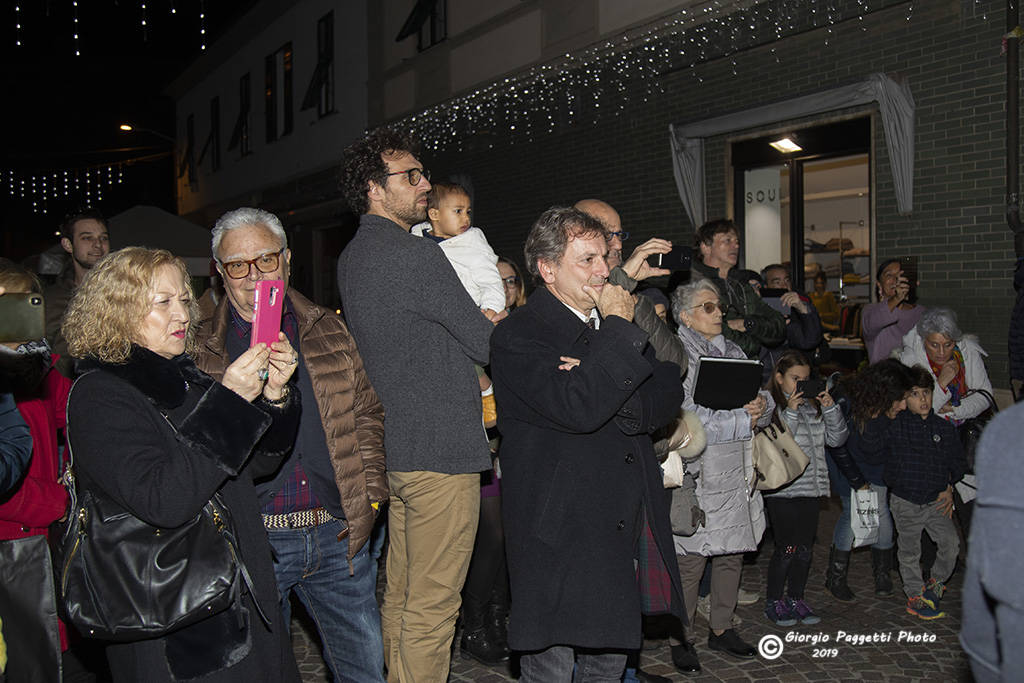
496,626
881,563
476,642
835,575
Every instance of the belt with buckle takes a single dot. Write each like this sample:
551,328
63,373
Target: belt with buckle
297,520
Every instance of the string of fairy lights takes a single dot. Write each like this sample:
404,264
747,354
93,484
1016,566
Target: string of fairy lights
576,88
581,87
42,189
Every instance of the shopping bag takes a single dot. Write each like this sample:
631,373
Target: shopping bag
864,516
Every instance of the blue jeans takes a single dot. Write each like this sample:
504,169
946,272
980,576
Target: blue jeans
560,663
312,562
842,537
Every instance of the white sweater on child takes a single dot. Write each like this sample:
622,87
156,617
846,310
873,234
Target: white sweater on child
475,263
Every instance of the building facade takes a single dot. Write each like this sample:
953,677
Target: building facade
544,102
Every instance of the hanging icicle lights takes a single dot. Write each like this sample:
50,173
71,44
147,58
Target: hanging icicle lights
581,86
88,184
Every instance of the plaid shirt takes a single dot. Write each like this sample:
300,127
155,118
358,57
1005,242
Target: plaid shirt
924,457
295,495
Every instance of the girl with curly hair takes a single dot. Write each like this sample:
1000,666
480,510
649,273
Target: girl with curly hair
873,397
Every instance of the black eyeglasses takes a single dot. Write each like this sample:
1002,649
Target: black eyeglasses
621,234
265,263
413,175
511,281
709,307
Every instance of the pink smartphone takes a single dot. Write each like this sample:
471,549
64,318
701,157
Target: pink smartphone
267,305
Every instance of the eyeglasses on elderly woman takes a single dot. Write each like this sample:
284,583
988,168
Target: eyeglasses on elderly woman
709,307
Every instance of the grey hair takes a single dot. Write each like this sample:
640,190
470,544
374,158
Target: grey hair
683,297
941,320
239,218
550,235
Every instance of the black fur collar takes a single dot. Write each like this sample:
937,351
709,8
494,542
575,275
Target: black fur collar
165,381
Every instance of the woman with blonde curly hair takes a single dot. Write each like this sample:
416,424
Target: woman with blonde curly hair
155,437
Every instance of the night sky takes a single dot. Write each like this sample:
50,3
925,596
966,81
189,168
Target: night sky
61,108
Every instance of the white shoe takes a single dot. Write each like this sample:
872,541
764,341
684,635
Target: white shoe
745,597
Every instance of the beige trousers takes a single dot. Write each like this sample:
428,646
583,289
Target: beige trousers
432,520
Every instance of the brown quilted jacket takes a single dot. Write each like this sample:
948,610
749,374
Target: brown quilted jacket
350,411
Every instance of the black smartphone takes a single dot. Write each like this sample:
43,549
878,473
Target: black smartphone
908,264
811,387
773,297
679,258
22,317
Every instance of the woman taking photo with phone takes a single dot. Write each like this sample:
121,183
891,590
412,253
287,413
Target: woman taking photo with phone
885,322
155,437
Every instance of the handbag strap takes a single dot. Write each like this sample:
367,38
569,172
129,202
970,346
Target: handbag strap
988,395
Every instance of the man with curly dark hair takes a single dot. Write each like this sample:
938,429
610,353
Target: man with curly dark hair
419,333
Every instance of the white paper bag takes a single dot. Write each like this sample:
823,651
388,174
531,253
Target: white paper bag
864,516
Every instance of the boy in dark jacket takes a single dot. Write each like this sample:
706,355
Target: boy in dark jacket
925,460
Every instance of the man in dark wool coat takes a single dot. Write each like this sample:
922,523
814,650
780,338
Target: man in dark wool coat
587,530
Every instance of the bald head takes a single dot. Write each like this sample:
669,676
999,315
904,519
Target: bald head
609,218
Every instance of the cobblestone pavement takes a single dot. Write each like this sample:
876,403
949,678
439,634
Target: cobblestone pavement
902,657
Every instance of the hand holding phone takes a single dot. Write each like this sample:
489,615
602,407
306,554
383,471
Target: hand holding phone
811,387
678,258
908,268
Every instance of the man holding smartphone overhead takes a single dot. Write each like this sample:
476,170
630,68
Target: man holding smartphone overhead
628,274
320,508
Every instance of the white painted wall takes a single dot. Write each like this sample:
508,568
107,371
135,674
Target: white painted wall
314,143
762,243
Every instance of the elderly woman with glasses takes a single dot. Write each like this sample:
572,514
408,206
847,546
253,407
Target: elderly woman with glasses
155,437
734,519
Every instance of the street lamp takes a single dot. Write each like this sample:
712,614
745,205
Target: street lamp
127,127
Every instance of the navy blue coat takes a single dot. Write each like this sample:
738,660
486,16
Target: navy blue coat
579,475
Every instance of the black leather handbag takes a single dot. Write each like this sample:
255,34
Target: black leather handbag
124,580
970,430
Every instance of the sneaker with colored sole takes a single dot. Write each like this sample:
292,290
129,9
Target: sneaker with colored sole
933,591
802,611
921,609
780,612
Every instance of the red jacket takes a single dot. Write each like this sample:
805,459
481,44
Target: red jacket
41,499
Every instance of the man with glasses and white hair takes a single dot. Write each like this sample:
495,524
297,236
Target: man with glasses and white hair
420,334
321,506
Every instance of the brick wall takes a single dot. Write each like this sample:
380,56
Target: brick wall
949,51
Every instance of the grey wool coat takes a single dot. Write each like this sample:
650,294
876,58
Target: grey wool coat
580,478
735,518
